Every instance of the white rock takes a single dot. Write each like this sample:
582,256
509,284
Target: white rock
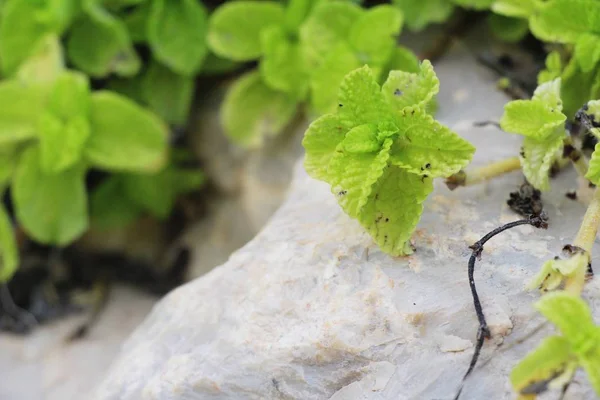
311,309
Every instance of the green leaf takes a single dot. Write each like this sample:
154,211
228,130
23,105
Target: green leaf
549,94
326,78
20,105
235,27
251,111
373,35
20,32
328,25
61,144
361,139
420,13
99,45
361,100
296,12
70,96
563,21
575,89
553,68
136,21
403,59
168,94
546,363
52,209
320,141
44,64
394,208
406,89
570,314
354,174
426,147
537,157
9,252
508,29
593,173
215,65
109,206
532,119
8,159
515,8
120,4
587,51
591,364
474,4
124,136
177,33
558,271
282,66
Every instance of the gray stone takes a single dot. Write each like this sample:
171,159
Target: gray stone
312,309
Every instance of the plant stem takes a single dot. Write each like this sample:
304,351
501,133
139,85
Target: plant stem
589,227
464,178
576,157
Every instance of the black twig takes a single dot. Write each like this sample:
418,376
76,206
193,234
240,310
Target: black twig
539,221
481,124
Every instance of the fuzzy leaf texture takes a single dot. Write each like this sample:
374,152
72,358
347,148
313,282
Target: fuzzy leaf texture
235,28
405,89
251,110
99,44
124,136
365,152
176,33
52,209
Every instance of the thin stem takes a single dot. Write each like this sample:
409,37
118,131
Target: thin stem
576,157
477,175
589,226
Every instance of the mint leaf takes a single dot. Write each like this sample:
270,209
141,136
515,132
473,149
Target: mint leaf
252,110
563,21
326,78
420,13
361,139
136,21
394,208
404,60
234,28
51,208
591,365
568,312
426,147
168,94
176,34
553,68
537,157
320,141
474,4
70,96
532,119
587,51
296,12
9,253
575,88
593,174
406,89
373,35
360,99
508,29
514,8
215,65
124,136
19,108
99,45
61,144
45,62
282,66
109,206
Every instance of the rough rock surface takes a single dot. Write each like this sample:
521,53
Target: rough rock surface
311,309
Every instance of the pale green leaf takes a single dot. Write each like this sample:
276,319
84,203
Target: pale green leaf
320,141
563,21
57,15
577,87
168,94
296,12
176,32
99,44
9,253
354,174
20,105
61,144
508,29
593,173
570,314
373,35
587,51
406,89
542,365
426,147
402,59
70,95
549,94
252,111
361,100
394,208
361,139
515,8
109,206
553,68
136,21
420,13
328,25
532,119
234,28
537,158
124,136
591,363
19,33
282,66
558,271
45,63
52,209
326,78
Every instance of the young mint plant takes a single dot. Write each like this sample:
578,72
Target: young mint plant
554,362
380,151
542,123
304,50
